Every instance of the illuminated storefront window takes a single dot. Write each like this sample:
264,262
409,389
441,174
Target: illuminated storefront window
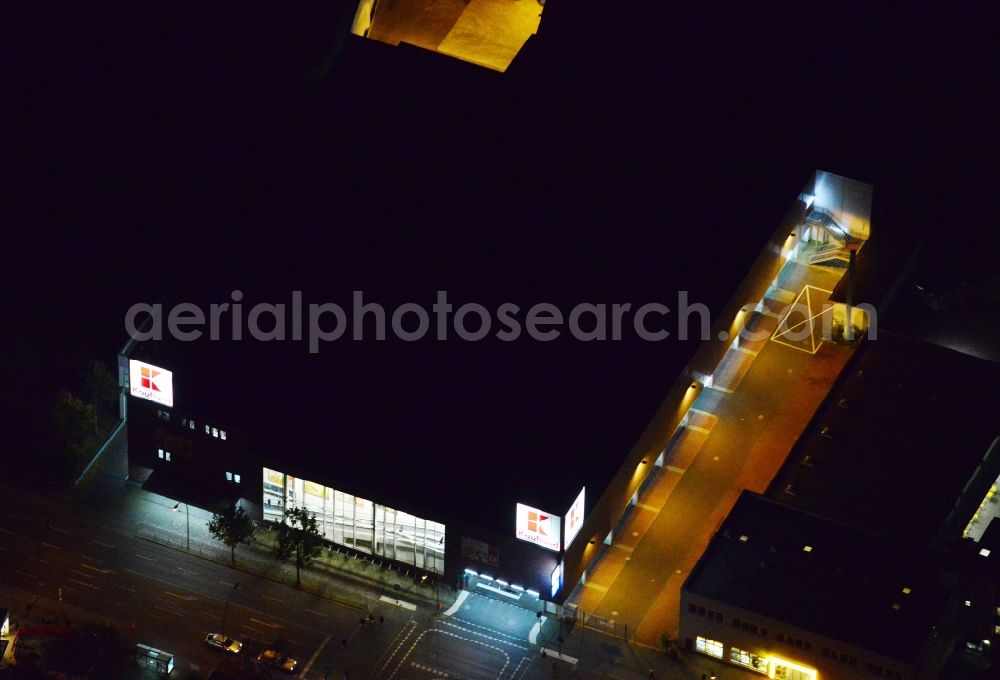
358,523
710,647
783,669
742,657
405,538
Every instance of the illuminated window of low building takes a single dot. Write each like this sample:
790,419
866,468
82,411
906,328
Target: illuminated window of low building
742,657
710,647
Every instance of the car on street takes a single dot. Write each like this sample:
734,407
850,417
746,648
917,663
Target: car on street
272,658
223,643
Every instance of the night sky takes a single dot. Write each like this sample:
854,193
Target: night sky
627,154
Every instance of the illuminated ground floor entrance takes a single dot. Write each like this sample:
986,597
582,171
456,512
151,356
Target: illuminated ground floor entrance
358,523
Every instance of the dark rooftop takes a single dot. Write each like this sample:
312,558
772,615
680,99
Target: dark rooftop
438,426
896,441
863,577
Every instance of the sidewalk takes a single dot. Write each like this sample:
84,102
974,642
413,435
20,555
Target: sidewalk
349,579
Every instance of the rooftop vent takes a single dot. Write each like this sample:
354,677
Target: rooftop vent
826,433
842,403
790,489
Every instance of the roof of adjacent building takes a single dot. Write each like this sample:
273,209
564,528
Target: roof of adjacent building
822,576
905,427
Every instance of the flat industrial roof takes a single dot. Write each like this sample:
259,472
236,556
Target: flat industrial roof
823,576
897,439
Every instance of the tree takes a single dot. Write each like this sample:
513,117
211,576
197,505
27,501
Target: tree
299,540
72,440
100,390
231,525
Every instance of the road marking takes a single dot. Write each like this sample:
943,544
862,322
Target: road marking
211,615
144,557
49,545
25,574
675,469
428,669
533,635
165,609
265,623
315,656
647,506
624,548
398,603
598,588
397,644
228,585
119,585
562,657
103,545
80,573
272,599
38,559
93,568
287,622
85,585
61,531
186,598
490,634
699,429
313,611
458,603
8,531
724,390
746,351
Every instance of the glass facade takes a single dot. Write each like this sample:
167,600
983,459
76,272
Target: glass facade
358,523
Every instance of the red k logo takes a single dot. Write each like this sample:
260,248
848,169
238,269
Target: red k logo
149,378
535,520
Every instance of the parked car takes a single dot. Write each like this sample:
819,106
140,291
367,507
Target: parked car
272,658
223,643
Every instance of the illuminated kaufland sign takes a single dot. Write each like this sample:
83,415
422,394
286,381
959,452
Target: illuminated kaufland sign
538,527
150,382
574,518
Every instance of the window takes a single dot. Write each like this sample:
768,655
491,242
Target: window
166,455
236,478
742,657
191,424
215,432
159,453
163,415
710,647
406,538
222,434
229,476
208,430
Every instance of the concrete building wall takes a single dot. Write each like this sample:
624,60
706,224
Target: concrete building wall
777,638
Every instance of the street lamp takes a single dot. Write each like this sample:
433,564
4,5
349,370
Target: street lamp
187,508
225,612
